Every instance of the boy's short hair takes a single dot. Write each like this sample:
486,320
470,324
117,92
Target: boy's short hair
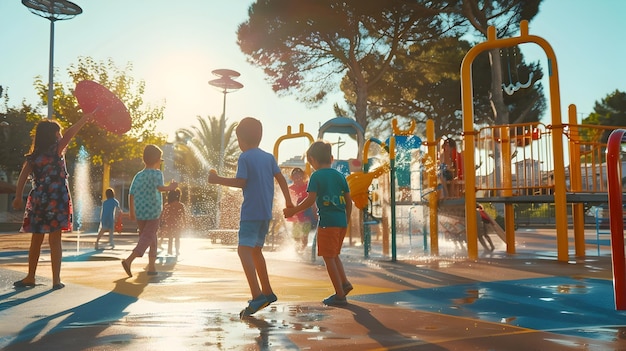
250,131
321,151
152,154
110,193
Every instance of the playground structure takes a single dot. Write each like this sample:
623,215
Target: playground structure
503,164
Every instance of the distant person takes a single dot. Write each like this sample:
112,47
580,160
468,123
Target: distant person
485,220
329,190
173,221
49,204
256,171
303,221
145,202
110,209
447,153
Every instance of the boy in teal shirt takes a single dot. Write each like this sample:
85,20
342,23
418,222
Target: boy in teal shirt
329,190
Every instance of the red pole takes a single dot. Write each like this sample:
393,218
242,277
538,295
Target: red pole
616,215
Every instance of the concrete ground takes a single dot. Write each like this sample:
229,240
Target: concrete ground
526,301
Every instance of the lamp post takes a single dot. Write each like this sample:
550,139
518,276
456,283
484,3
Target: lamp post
53,10
227,85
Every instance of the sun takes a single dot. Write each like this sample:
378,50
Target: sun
179,81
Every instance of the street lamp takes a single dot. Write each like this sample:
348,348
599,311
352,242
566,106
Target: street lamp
226,83
53,10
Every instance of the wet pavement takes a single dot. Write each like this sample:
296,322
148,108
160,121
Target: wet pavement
526,301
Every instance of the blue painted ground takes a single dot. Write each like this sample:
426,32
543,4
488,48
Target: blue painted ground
555,304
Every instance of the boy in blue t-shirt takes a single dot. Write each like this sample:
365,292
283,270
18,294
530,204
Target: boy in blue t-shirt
329,190
256,171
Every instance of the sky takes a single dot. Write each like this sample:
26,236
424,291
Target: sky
175,45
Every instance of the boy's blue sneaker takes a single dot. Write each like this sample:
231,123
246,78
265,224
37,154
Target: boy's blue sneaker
254,306
271,298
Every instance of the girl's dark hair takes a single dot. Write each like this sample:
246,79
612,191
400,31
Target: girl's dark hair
45,137
173,195
321,151
110,193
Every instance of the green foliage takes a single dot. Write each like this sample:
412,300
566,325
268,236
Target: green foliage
304,46
15,130
196,150
609,111
395,58
104,146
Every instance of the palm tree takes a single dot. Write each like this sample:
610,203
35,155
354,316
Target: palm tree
196,151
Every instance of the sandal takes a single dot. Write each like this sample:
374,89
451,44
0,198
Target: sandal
333,300
22,284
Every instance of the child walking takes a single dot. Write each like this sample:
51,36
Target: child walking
110,207
49,204
173,221
329,190
256,171
145,202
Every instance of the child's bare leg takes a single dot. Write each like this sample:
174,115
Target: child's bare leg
33,257
152,255
111,242
56,255
261,270
246,257
341,271
100,232
335,276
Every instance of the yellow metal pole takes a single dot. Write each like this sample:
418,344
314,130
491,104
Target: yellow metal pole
106,178
575,178
507,181
560,198
433,199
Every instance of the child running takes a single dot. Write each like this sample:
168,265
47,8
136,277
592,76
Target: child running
256,171
145,202
110,207
329,190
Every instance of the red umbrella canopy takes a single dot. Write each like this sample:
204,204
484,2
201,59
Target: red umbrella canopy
109,111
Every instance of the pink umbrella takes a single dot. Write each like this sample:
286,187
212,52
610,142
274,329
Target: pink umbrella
109,111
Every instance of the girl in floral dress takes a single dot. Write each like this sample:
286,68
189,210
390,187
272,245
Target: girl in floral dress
49,206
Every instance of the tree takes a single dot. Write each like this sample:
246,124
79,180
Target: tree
505,16
15,128
106,148
305,46
199,147
609,111
424,83
197,150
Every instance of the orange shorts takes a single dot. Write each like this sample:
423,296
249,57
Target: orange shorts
330,241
